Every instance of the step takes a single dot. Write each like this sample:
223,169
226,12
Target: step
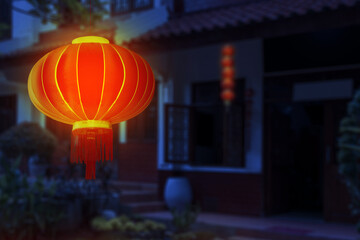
121,185
143,207
136,196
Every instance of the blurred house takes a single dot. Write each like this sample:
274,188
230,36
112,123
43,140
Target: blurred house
275,152
299,58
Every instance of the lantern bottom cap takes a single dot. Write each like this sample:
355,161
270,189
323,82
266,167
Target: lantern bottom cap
91,124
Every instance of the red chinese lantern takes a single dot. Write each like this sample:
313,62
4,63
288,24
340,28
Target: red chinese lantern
228,50
228,72
227,61
227,83
227,95
91,84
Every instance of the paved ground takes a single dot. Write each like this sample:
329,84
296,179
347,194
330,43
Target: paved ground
274,227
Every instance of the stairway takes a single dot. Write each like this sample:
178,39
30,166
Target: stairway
138,197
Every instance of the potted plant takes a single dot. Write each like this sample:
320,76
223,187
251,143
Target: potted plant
177,193
31,141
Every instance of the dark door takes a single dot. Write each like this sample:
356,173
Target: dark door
301,171
295,150
295,140
336,198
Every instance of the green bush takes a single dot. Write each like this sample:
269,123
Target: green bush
349,153
27,139
128,227
27,209
183,219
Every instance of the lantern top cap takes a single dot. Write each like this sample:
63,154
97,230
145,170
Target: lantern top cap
90,39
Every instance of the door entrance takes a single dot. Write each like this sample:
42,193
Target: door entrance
301,156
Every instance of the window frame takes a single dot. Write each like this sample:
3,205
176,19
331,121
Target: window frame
239,103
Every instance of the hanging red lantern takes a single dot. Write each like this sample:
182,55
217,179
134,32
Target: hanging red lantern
228,72
227,61
228,50
227,95
227,83
91,84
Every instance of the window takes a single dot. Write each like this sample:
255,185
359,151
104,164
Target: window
205,133
119,7
143,128
7,112
178,132
218,132
5,19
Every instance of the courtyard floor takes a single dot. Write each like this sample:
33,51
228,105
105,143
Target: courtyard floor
271,228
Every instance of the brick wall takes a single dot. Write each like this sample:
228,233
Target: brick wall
137,162
223,192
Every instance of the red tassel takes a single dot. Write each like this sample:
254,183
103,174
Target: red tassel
89,145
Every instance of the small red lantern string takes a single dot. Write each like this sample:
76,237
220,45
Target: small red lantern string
227,94
228,73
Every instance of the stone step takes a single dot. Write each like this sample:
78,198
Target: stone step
136,196
120,185
142,207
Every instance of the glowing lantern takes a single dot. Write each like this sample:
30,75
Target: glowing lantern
227,95
91,84
227,82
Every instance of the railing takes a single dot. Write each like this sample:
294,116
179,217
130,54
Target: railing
119,7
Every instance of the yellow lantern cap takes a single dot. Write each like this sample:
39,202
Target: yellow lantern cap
90,39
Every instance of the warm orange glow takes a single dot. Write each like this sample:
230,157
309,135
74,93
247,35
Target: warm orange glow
91,80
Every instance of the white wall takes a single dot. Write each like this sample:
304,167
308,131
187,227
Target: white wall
185,67
25,110
25,29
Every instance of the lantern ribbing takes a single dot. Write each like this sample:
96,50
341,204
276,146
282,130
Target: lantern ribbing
91,84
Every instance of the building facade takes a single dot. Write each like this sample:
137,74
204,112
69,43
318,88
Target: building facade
274,151
299,60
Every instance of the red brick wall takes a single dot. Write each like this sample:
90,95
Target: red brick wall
224,192
137,162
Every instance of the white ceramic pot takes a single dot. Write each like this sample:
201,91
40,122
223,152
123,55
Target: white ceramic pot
177,193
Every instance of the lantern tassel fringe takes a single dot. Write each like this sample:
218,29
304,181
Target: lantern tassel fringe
89,145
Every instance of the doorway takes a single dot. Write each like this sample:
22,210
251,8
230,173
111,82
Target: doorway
300,156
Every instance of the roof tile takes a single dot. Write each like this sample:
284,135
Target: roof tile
258,11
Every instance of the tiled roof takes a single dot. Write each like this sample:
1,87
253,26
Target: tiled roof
255,12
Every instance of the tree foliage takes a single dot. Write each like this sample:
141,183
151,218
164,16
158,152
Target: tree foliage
69,12
27,139
349,152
